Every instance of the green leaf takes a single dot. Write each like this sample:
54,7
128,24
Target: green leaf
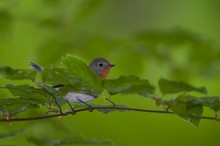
27,97
212,102
79,68
14,110
168,87
55,76
2,110
13,101
13,106
75,74
12,133
128,85
78,139
55,94
34,95
206,57
173,37
17,74
187,107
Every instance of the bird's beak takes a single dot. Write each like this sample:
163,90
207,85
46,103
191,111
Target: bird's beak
111,65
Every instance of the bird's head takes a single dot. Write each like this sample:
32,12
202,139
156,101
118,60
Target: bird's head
101,67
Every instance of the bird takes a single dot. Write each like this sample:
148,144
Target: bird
100,66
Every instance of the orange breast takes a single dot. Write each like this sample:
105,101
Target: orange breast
105,72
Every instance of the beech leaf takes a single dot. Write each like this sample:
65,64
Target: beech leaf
169,87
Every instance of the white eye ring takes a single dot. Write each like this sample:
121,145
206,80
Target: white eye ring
100,64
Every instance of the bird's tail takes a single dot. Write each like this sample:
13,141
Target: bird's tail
36,66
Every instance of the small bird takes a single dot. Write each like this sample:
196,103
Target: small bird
99,66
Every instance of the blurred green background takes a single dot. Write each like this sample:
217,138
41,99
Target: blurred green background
174,39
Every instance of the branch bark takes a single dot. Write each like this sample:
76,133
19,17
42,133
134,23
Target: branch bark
99,108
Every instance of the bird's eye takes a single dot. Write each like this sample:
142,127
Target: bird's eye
100,64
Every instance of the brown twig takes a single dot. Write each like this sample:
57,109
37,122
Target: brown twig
99,108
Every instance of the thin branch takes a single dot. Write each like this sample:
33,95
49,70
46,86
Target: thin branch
99,108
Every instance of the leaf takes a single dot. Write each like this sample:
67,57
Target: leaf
75,75
13,101
34,95
55,76
27,97
14,110
128,85
78,67
173,37
78,139
206,57
17,74
168,87
187,107
212,102
55,94
13,106
12,133
2,110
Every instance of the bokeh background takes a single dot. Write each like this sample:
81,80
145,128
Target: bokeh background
174,39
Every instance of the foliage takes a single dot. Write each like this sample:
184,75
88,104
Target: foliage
17,74
12,133
78,139
46,141
45,30
75,75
